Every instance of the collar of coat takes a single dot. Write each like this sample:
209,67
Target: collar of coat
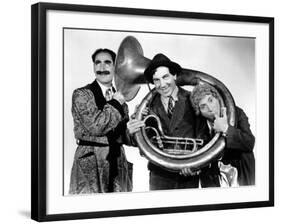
96,90
180,108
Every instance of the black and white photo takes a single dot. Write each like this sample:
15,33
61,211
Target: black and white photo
228,59
149,111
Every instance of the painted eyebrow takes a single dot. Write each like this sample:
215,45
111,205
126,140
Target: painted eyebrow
106,61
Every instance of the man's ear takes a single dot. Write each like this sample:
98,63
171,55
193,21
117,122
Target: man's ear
175,77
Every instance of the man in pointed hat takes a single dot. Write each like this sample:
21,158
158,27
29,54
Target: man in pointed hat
171,104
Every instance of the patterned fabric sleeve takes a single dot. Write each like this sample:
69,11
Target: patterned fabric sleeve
88,119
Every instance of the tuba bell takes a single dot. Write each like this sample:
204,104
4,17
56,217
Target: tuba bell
129,68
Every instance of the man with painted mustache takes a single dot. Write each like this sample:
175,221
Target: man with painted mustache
100,116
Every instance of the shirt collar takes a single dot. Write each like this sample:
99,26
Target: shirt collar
113,83
174,95
210,126
104,88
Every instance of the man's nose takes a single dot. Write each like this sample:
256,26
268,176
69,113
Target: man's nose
102,67
161,83
209,108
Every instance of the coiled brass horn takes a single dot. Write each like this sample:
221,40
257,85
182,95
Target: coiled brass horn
130,66
171,145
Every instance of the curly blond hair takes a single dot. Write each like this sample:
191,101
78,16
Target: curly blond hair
199,92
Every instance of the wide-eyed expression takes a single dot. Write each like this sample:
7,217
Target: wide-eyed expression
164,81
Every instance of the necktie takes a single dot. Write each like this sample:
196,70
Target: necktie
113,89
108,94
170,107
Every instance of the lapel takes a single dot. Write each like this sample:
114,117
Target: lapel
202,129
160,110
179,110
96,90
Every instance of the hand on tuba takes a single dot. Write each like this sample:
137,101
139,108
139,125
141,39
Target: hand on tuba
144,112
119,97
134,125
188,172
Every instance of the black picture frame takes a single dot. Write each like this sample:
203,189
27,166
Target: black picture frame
39,109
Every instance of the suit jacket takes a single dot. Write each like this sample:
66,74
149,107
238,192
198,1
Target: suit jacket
239,147
100,165
182,123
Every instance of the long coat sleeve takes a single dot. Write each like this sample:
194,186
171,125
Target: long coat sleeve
239,149
89,121
94,121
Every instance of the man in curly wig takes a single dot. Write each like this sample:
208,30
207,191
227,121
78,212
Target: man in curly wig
239,140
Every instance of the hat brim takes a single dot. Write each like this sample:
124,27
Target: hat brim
149,71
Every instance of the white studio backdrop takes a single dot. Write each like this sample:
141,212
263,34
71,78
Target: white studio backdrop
229,59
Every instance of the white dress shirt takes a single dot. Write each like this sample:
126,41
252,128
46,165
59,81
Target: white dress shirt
165,100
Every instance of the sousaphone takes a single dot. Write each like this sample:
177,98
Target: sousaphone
184,152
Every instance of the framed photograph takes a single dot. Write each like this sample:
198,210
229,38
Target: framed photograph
232,53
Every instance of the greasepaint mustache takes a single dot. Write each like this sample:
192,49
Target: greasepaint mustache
103,72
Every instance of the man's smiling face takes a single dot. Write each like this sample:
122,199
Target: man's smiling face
164,81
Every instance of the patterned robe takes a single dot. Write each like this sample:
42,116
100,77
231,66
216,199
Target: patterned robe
99,163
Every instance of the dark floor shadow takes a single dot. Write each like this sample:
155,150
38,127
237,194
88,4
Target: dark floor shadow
25,214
